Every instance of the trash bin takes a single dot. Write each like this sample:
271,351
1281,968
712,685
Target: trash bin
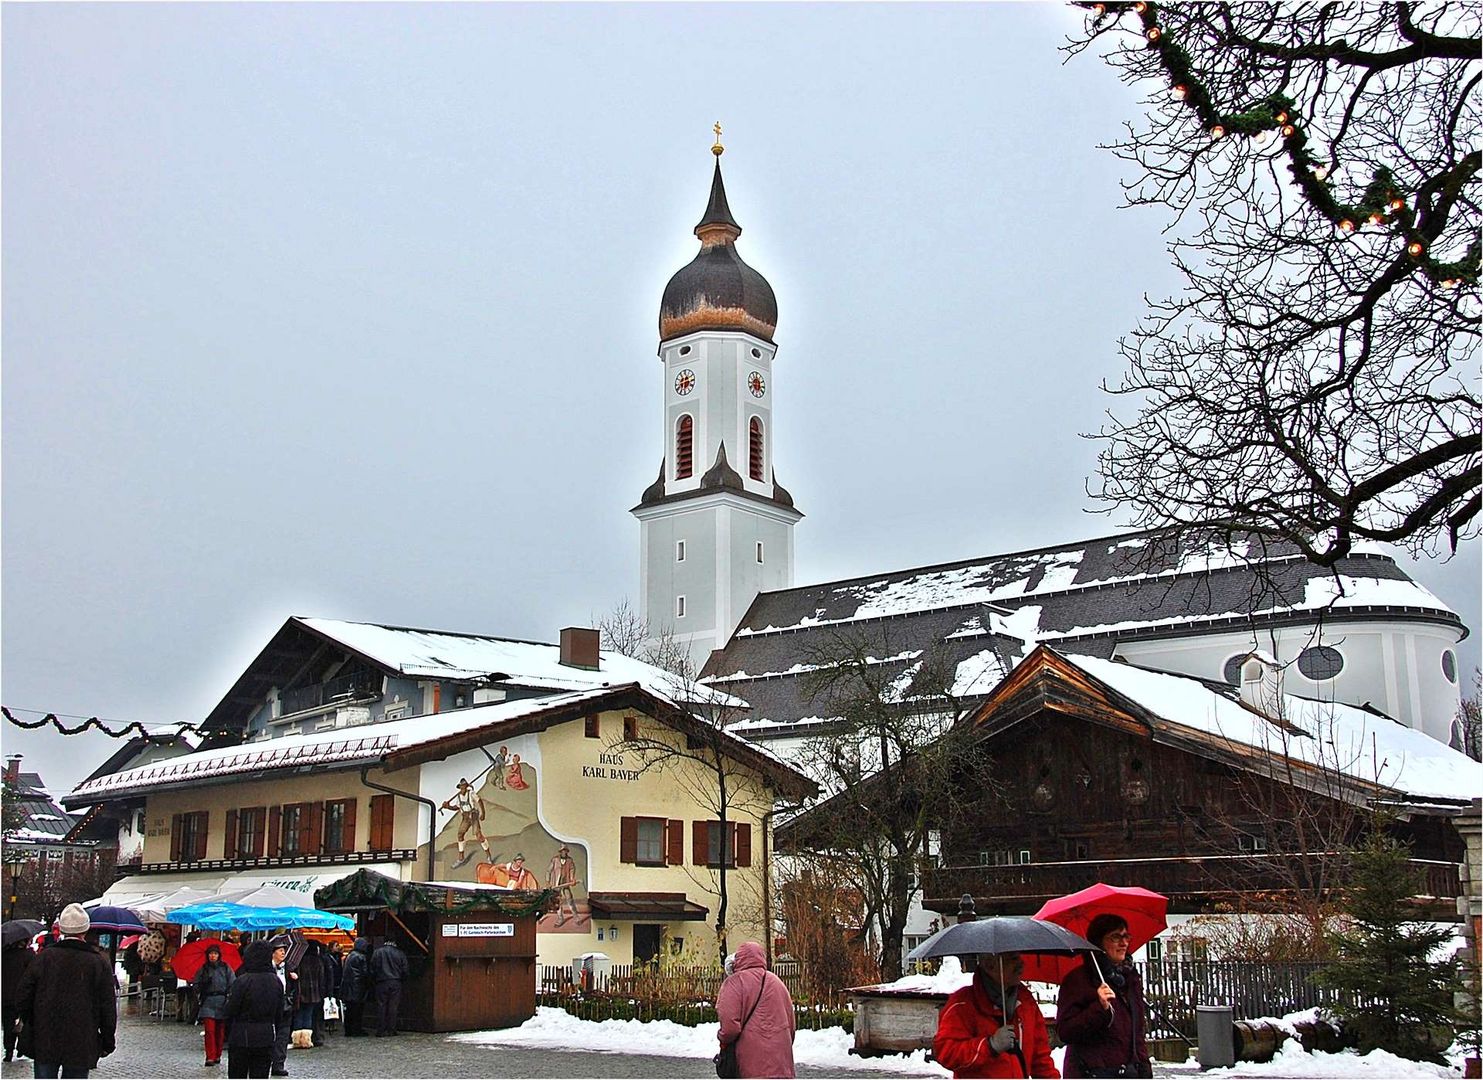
1215,1030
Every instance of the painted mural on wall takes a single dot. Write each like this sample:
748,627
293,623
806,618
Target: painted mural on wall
489,831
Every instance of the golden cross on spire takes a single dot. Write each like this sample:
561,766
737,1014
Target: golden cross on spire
718,149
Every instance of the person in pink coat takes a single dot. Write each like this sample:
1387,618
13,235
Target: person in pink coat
764,1039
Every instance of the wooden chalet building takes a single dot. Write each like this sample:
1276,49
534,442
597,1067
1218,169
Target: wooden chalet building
1208,793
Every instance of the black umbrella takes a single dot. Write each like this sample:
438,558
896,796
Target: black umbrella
1001,934
18,930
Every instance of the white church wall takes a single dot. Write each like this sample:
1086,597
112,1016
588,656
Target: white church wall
1393,665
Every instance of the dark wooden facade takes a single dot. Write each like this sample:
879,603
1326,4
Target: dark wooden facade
464,976
1089,787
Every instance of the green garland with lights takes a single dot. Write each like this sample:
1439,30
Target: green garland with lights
1381,204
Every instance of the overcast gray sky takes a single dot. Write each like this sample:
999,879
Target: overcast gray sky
351,311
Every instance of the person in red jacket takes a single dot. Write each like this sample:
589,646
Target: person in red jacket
974,1038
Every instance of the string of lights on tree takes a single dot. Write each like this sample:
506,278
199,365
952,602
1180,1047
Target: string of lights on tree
1381,204
91,722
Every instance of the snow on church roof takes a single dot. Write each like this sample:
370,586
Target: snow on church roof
1084,597
1362,745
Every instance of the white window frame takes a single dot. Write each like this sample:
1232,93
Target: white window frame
679,551
679,607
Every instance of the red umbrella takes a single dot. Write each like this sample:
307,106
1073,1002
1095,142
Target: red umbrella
124,943
191,957
1142,910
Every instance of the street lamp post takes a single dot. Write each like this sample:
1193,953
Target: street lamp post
14,870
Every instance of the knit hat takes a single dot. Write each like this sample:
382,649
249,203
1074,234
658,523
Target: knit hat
74,921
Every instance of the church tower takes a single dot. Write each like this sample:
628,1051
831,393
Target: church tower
716,528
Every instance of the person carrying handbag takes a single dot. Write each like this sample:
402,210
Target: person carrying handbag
756,1014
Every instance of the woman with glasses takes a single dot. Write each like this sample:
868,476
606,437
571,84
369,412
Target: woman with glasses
1101,1014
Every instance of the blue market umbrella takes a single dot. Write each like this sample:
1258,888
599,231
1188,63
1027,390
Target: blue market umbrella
116,920
233,916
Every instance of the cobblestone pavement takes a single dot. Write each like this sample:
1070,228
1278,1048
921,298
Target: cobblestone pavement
167,1049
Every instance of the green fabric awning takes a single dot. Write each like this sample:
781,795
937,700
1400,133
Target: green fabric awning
367,890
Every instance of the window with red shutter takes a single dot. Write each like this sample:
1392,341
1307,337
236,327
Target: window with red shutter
754,466
203,820
628,840
684,438
275,833
743,846
674,853
177,828
229,844
383,822
313,829
700,843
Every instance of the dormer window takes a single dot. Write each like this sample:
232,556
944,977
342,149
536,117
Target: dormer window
754,459
684,447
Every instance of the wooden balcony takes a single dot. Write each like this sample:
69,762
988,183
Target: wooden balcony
1192,883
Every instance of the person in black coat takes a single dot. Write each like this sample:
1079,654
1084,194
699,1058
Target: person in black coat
388,970
253,1007
355,986
67,1003
16,959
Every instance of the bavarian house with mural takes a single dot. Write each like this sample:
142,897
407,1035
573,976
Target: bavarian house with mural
439,757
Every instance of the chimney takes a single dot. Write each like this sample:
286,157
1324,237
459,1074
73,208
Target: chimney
579,648
1261,683
13,768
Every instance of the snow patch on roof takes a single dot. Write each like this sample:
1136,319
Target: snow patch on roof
1349,740
978,674
366,742
442,655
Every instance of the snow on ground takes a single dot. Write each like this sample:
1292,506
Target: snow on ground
829,1049
559,1030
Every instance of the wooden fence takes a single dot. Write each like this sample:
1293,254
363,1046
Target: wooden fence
685,995
1173,989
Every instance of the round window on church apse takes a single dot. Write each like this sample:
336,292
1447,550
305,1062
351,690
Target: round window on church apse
1232,671
1321,662
1449,665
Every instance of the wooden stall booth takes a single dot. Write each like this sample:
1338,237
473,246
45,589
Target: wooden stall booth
471,948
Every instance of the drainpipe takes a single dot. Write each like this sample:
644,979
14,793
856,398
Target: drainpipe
767,927
432,807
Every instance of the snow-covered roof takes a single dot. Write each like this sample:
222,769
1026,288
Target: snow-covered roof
341,746
371,743
1362,745
440,654
981,616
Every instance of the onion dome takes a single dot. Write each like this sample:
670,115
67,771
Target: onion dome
717,291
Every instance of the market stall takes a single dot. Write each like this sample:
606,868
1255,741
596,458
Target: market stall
471,948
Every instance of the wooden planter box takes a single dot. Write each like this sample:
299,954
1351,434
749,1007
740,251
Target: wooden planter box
891,1021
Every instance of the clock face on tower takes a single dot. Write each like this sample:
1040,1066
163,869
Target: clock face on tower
756,384
684,382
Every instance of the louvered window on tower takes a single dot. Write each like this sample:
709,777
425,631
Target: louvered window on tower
684,437
755,463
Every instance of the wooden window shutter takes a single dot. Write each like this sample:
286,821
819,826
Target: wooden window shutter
313,842
382,822
177,828
229,846
700,843
628,840
674,843
348,830
203,821
684,459
275,818
259,838
754,465
743,844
